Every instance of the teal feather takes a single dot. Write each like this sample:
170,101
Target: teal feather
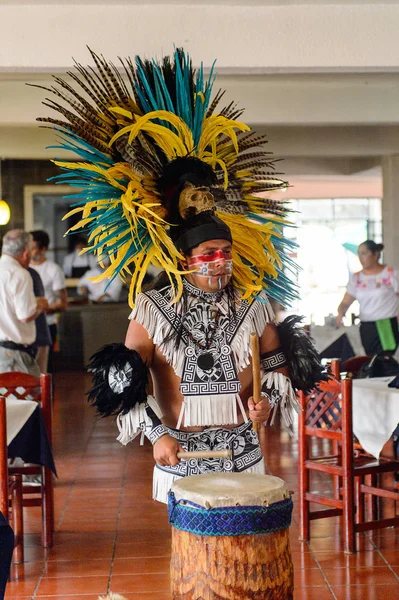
151,105
161,82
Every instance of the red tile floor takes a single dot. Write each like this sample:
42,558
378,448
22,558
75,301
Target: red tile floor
110,535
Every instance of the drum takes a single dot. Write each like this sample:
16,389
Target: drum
230,538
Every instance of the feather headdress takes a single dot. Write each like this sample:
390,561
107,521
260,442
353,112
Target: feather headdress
146,142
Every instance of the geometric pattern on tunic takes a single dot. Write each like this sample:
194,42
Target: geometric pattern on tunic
201,326
241,440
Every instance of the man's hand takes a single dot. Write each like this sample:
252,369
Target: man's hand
42,304
83,291
258,413
339,322
165,450
104,298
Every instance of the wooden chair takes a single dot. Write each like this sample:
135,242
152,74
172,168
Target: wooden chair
357,478
10,490
27,387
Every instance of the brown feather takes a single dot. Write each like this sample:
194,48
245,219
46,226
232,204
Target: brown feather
215,102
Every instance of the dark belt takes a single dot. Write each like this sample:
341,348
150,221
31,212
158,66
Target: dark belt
28,348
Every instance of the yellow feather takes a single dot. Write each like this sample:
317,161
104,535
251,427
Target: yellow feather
170,142
252,243
121,111
217,125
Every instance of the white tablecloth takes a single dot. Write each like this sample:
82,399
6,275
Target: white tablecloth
18,412
375,412
324,336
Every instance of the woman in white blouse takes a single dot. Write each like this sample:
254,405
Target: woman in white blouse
376,288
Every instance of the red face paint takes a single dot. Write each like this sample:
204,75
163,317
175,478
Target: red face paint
211,257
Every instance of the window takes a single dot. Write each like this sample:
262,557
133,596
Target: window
328,232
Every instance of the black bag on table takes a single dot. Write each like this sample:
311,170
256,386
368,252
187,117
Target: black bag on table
381,365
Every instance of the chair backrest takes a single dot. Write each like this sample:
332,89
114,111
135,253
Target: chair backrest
322,409
26,387
327,413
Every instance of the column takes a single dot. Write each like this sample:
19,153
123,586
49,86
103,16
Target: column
390,209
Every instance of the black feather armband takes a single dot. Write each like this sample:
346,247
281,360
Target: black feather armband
119,378
303,360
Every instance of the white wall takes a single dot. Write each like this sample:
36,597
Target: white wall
320,79
344,36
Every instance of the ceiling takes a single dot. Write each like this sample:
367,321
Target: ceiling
197,2
329,109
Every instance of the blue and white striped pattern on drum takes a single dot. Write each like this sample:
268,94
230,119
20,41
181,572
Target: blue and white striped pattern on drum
229,520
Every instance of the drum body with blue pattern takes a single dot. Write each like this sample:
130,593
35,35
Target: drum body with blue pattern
230,538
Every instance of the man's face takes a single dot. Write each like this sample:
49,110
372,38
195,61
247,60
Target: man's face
213,264
25,258
36,253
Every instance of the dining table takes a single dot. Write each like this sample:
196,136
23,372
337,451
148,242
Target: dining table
26,433
375,413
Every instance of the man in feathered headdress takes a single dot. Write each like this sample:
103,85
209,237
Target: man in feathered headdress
167,181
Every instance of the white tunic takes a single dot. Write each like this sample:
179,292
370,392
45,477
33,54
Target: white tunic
17,302
377,294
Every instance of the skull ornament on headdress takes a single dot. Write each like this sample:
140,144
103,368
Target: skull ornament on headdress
193,200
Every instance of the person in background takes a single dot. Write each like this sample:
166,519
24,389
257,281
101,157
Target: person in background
75,265
43,337
6,550
102,291
376,288
18,306
54,285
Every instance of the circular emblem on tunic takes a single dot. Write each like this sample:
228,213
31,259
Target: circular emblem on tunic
205,361
119,378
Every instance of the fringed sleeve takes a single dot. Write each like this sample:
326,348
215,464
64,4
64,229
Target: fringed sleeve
144,419
258,316
281,395
159,329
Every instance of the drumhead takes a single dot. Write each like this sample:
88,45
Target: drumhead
230,489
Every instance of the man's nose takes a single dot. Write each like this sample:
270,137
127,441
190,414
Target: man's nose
220,258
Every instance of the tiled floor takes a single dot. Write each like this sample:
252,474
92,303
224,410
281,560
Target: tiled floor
112,537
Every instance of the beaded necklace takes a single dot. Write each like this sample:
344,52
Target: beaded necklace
205,359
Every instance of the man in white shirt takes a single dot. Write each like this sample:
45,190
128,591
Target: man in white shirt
18,306
53,281
102,291
76,265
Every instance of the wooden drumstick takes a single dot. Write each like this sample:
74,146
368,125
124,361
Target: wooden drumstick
205,454
256,382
